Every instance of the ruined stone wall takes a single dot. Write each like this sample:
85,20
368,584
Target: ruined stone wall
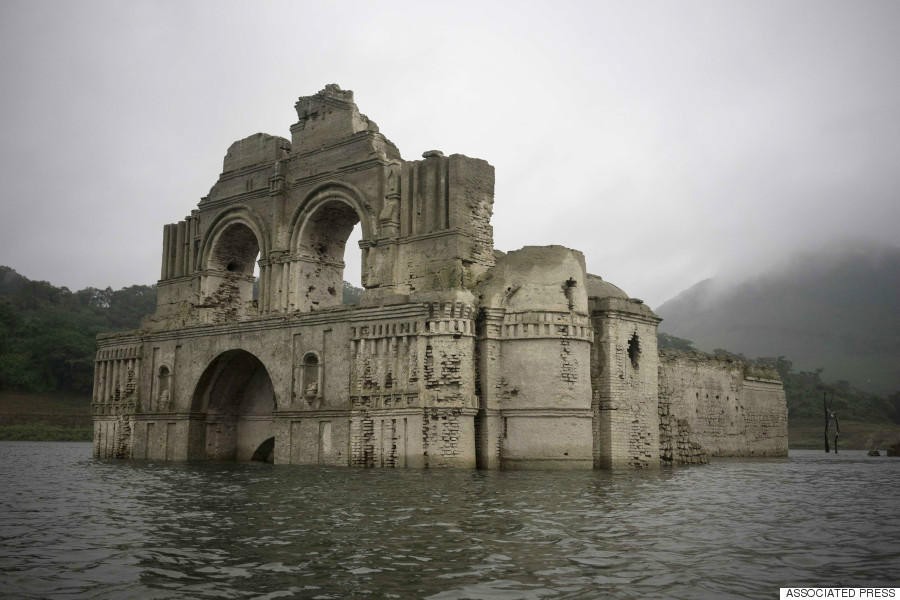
457,354
445,237
545,392
624,364
765,416
116,396
448,380
173,420
388,384
710,407
412,389
534,359
410,401
490,387
425,224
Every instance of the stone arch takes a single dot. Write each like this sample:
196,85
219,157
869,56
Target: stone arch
227,259
323,194
236,399
319,230
235,215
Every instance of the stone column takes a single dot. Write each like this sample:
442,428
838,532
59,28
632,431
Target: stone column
101,385
96,387
189,247
263,287
164,271
115,377
170,251
489,419
179,249
625,400
285,286
138,378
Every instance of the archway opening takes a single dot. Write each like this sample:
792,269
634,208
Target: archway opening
324,245
236,396
353,286
265,452
232,272
256,277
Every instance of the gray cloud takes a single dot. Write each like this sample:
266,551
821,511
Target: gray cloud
668,141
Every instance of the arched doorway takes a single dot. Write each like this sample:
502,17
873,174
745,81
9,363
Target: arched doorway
236,396
322,247
231,272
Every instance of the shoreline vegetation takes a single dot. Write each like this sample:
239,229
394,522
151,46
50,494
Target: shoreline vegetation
45,417
43,432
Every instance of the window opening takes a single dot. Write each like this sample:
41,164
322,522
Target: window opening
634,350
256,276
352,284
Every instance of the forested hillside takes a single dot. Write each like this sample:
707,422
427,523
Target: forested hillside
47,332
836,311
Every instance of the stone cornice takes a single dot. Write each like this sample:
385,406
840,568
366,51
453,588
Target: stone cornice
277,321
208,204
626,316
308,180
581,413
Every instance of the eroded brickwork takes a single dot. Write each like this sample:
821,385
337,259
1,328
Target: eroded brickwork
441,433
677,445
712,403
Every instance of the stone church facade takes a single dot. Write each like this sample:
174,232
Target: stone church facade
457,355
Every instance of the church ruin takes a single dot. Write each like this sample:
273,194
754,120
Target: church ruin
457,355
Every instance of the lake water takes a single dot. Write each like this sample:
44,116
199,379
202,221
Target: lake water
73,527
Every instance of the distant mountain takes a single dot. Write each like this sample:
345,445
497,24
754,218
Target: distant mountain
837,310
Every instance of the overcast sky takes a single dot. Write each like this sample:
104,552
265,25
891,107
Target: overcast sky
669,141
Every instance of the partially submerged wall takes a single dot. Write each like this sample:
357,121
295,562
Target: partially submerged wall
456,355
711,406
534,356
624,378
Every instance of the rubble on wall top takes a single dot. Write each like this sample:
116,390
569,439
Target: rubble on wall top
756,368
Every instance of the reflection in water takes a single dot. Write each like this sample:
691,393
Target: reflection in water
72,527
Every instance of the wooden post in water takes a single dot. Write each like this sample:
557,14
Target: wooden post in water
825,407
837,426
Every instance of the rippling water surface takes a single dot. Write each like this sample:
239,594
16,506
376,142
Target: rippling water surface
75,527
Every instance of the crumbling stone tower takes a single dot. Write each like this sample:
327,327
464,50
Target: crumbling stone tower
457,355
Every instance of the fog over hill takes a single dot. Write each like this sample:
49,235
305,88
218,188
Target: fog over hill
835,309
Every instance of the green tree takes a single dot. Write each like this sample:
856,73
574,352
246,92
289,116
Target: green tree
47,333
666,341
